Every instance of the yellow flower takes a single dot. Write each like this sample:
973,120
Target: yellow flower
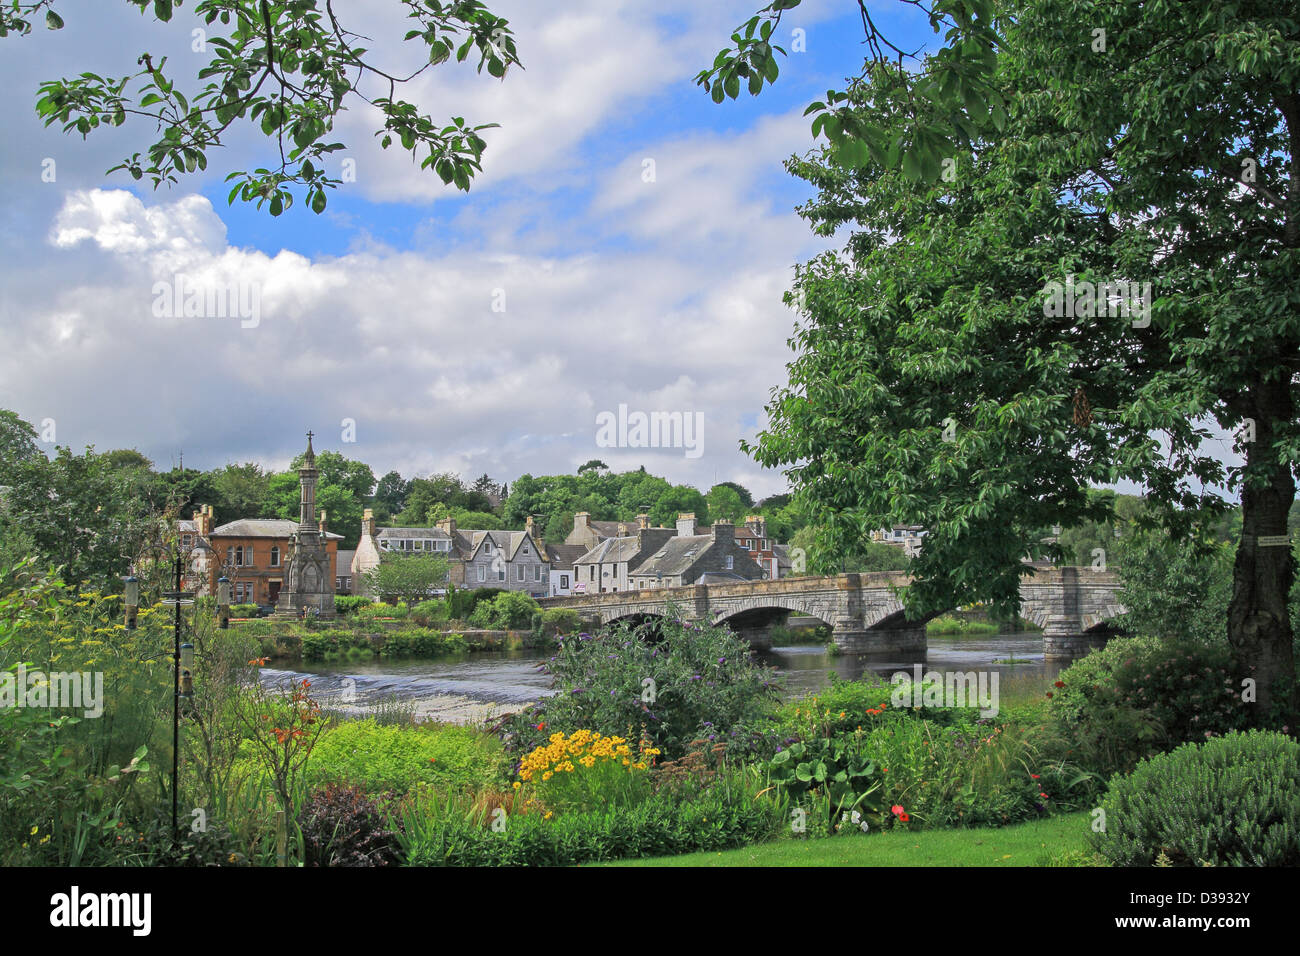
547,775
548,815
35,830
518,784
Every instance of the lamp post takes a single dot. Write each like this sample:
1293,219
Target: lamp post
176,598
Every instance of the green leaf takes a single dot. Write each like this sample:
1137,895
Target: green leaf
162,9
53,21
318,202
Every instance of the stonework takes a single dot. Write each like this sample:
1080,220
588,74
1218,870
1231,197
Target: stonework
309,584
1072,605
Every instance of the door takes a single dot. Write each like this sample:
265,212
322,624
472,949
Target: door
275,592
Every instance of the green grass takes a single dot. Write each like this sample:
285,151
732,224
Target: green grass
1028,844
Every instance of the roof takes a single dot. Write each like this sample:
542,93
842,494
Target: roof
413,533
677,555
608,529
263,528
564,556
344,563
627,548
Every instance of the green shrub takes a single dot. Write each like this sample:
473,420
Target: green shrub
397,759
669,680
1138,696
426,612
461,603
346,604
509,610
558,621
244,610
725,815
1230,801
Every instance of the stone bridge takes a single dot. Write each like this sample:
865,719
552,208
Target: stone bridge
1072,606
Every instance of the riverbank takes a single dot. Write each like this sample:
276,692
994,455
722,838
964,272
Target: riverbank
293,642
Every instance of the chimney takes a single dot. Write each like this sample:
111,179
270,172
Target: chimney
324,521
582,521
530,529
686,524
368,523
642,521
757,524
448,525
724,532
622,529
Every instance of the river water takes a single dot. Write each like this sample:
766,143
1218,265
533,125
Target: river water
468,688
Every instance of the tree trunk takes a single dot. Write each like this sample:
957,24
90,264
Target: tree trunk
1259,624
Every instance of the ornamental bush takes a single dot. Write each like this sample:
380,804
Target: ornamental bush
345,826
1139,696
667,681
1230,801
584,771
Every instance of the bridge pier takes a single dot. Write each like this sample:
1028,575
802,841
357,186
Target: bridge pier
1068,644
853,638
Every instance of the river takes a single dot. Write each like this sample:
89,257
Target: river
468,688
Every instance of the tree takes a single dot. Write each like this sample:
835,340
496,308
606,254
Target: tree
746,498
950,96
940,381
286,67
724,502
594,464
391,492
677,500
81,514
17,443
407,577
242,491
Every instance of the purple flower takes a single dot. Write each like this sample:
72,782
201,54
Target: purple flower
722,660
578,690
695,677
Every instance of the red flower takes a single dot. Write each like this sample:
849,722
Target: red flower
1059,683
1044,796
896,809
1049,693
904,817
1034,775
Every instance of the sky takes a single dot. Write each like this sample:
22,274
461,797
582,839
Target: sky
411,325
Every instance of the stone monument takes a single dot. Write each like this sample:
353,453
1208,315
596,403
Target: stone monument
309,586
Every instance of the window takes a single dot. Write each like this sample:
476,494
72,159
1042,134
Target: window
521,572
564,581
186,540
487,547
537,572
230,556
482,573
501,572
275,556
383,544
731,562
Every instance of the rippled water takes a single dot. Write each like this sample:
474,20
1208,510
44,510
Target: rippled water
468,688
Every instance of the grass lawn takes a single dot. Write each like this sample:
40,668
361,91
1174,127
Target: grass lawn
1028,844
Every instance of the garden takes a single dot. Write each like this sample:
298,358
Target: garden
663,739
